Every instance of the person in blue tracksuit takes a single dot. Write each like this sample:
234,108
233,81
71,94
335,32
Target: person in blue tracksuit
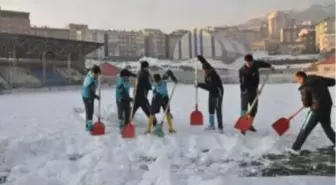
123,98
89,94
161,99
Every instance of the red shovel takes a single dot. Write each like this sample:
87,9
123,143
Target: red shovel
129,129
196,116
244,123
98,127
282,124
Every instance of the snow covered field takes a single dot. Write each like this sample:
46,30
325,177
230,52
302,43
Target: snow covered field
42,142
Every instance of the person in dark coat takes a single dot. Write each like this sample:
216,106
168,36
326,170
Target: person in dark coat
249,78
213,84
143,86
315,95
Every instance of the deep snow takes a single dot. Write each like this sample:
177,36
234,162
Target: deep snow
43,142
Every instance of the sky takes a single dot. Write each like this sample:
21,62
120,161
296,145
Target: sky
166,15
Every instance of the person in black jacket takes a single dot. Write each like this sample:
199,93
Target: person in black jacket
214,85
249,81
315,94
143,86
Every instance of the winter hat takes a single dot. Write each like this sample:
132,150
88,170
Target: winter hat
144,64
95,69
125,73
157,77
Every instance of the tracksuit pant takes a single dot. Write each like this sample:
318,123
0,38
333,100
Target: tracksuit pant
124,111
89,109
313,118
215,107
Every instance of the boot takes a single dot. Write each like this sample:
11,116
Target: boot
121,125
211,122
89,125
253,129
150,124
170,123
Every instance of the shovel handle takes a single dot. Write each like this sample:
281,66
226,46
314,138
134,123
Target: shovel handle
296,113
261,88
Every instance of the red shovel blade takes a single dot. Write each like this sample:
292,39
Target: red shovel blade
281,126
244,123
98,129
196,118
129,131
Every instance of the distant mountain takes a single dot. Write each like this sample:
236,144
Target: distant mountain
314,13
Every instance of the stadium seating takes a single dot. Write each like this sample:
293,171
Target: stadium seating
20,77
70,74
52,77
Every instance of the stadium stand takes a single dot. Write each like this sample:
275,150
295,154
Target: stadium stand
20,77
52,77
70,74
29,53
4,84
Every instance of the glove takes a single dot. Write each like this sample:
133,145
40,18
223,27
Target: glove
244,92
175,81
97,97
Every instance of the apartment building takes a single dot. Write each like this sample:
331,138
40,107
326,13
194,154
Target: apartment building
277,21
324,30
14,22
59,33
155,43
327,42
131,44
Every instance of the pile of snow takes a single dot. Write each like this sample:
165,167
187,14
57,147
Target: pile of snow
191,63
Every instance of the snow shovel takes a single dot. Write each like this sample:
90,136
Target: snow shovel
244,123
282,124
98,127
196,116
158,129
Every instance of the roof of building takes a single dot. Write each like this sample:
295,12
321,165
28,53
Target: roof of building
32,47
330,60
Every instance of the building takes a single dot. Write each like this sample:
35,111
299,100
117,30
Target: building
59,33
327,42
75,31
309,42
210,45
277,21
173,39
155,43
112,43
14,22
131,44
327,26
325,68
289,35
263,29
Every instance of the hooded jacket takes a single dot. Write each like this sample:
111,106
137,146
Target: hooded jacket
315,93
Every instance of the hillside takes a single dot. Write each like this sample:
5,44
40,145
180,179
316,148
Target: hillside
315,13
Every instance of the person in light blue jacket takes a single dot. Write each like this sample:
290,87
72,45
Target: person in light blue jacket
161,99
89,94
123,98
